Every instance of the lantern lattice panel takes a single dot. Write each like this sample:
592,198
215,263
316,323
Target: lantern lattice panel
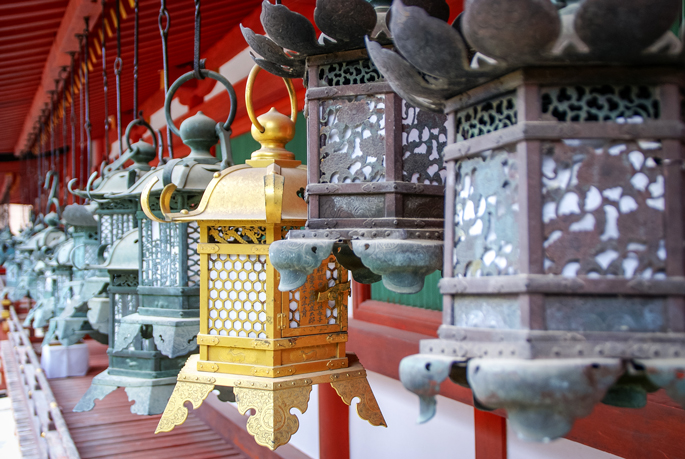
114,226
351,72
161,246
125,304
302,314
603,208
619,103
486,209
424,135
353,139
193,258
237,295
487,117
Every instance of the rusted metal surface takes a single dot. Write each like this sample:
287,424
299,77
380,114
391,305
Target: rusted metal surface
560,268
434,65
374,159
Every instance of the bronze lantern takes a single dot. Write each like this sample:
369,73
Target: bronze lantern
563,277
375,182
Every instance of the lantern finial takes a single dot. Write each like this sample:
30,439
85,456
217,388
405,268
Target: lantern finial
272,130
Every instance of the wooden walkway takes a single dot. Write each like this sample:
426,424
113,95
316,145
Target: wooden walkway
110,430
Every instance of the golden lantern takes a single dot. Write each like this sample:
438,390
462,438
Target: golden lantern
268,347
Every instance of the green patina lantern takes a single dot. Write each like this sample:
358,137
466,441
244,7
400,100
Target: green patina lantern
115,217
71,323
39,284
170,266
153,278
139,367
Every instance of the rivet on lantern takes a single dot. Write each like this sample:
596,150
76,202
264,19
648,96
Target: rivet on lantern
246,324
560,269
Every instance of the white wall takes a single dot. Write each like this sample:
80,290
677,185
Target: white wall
449,434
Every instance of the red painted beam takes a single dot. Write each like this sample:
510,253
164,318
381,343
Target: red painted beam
491,435
334,424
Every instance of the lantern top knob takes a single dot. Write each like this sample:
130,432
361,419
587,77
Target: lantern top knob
143,153
272,129
278,130
199,133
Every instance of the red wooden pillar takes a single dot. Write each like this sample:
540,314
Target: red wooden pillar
491,435
334,425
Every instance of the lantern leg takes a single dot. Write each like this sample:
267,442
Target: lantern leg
422,374
543,397
94,392
272,425
367,408
175,412
668,374
149,400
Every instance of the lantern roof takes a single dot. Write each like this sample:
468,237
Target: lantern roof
291,37
80,215
123,256
434,65
62,256
47,238
263,194
268,189
188,176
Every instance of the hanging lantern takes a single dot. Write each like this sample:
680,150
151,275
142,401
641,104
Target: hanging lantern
170,266
41,285
376,177
115,217
71,323
147,377
268,347
19,276
137,365
8,243
563,280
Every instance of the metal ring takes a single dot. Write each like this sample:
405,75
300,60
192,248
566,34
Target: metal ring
164,15
139,122
73,261
118,63
248,98
189,76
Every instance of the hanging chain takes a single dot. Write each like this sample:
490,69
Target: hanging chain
103,35
118,65
86,96
164,18
64,131
72,120
52,126
135,60
198,64
80,113
40,165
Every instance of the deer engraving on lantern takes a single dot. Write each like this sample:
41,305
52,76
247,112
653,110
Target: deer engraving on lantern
563,277
263,347
376,177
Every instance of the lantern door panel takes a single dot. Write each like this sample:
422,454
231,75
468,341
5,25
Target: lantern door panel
320,305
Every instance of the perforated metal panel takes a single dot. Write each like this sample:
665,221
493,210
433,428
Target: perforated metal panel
237,295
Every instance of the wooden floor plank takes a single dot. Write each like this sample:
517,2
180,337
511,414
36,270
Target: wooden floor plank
111,430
